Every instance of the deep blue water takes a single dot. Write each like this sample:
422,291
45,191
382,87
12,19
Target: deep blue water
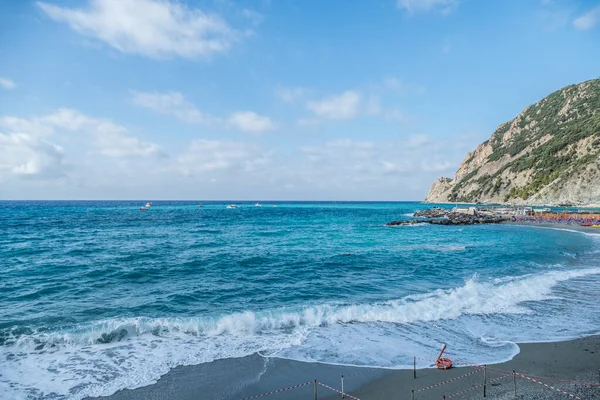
99,296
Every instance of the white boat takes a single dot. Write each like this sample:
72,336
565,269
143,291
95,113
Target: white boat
231,206
258,205
200,206
274,206
148,204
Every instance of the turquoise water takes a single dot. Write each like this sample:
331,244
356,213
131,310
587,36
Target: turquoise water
99,296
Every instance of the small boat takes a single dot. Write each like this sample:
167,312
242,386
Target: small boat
143,208
586,224
148,204
275,207
200,206
231,206
258,205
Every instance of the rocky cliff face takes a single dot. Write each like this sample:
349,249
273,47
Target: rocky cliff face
548,155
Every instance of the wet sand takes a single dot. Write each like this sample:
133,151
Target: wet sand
238,378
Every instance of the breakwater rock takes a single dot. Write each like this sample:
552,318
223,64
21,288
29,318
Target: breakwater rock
435,212
451,218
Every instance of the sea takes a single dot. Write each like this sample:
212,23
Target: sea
97,296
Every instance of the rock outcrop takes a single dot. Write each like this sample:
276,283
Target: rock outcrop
448,217
548,155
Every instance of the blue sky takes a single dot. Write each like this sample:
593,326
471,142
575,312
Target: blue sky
279,99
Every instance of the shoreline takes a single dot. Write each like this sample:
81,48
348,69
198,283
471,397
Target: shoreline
577,359
563,227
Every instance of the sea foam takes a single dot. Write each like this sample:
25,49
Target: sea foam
102,357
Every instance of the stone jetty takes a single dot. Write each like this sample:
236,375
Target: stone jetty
440,216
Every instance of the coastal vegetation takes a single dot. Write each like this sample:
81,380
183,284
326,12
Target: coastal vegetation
538,157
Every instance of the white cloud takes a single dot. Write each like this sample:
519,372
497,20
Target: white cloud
122,146
172,103
352,166
351,104
588,20
7,83
423,6
249,121
25,156
289,95
111,139
175,104
73,120
151,28
211,156
343,106
33,126
392,169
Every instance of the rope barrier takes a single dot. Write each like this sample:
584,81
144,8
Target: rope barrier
477,386
545,378
277,391
448,381
340,392
566,381
548,386
476,368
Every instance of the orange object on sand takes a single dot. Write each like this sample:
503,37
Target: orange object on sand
443,363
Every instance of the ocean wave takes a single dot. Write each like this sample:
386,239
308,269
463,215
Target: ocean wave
131,352
408,226
433,247
501,295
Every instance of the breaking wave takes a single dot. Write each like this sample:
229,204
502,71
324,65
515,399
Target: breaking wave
132,352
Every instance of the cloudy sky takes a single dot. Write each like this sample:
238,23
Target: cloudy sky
279,99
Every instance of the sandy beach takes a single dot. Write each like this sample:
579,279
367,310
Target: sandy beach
577,360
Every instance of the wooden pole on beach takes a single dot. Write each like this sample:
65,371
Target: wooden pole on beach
484,379
415,367
412,394
343,387
515,382
315,386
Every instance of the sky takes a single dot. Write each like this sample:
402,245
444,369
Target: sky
270,99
